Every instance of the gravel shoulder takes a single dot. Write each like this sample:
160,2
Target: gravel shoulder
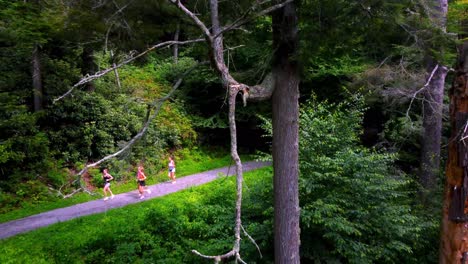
33,222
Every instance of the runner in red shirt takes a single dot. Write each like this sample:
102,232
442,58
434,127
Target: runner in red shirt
141,177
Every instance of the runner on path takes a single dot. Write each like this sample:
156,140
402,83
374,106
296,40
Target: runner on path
107,178
141,177
171,172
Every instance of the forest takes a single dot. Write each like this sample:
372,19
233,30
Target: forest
361,107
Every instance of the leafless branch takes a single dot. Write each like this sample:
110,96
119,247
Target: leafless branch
429,79
195,19
245,18
107,36
59,192
119,9
65,196
462,138
217,259
253,241
99,74
99,4
410,33
383,62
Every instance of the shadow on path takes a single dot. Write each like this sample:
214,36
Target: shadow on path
29,223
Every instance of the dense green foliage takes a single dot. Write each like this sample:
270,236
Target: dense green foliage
355,203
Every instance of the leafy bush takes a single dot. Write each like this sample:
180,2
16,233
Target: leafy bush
355,204
22,145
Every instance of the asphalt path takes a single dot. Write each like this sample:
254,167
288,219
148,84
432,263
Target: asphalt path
33,222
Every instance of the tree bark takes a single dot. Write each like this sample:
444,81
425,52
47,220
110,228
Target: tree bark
38,91
89,67
116,71
432,107
175,48
286,136
432,127
454,233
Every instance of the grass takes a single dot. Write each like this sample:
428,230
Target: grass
161,230
188,162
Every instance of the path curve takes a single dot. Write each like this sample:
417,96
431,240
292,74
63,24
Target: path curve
29,223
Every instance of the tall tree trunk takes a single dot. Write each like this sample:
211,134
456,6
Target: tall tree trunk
454,231
37,80
175,48
432,127
116,71
286,136
89,66
433,102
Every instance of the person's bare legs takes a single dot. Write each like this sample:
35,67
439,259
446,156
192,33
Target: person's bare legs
173,177
112,195
106,189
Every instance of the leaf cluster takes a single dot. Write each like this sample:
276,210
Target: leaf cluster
353,200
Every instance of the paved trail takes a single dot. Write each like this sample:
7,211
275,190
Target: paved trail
29,223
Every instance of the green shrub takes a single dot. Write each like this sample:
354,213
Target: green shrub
8,201
355,204
96,177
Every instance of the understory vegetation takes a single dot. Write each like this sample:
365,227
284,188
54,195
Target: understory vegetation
357,206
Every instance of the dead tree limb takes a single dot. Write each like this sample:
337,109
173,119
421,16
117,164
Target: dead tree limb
194,18
421,89
99,74
253,241
246,19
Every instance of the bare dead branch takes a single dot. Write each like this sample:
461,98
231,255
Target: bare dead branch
116,72
245,18
217,259
73,193
99,4
195,19
238,258
99,74
59,192
421,89
253,241
65,196
119,9
107,36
